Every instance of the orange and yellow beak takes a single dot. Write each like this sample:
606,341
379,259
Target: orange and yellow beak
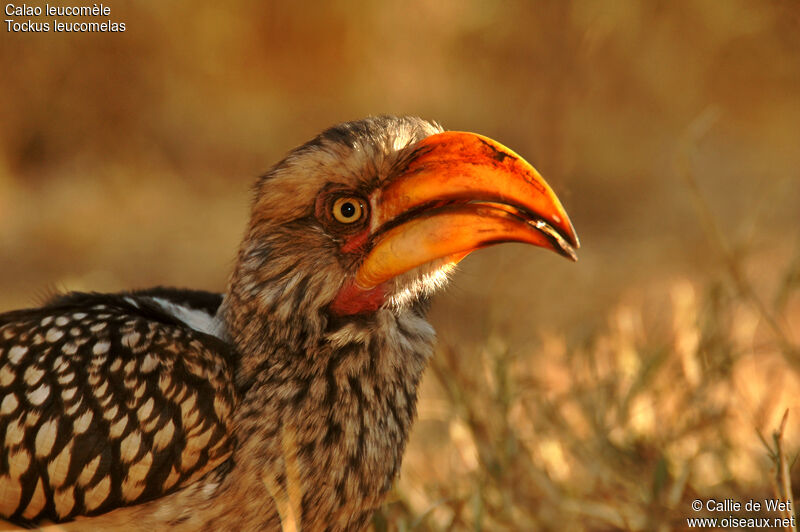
458,192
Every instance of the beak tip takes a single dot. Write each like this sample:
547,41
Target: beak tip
569,252
572,236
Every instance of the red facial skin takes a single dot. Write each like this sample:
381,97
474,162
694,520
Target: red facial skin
351,299
356,243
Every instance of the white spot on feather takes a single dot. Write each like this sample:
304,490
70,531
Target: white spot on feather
39,395
7,375
111,413
53,335
9,404
80,425
164,436
64,500
14,434
101,347
145,410
68,394
69,348
97,495
16,353
149,363
129,447
131,339
116,430
72,410
60,365
46,437
58,468
101,391
33,375
88,472
18,463
66,379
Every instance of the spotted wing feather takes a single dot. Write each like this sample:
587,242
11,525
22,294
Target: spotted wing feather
105,402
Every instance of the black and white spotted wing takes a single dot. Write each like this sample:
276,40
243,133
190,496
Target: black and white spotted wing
110,400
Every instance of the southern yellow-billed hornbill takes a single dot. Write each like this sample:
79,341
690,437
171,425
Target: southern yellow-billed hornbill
289,398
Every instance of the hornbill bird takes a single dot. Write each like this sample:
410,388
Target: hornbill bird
287,400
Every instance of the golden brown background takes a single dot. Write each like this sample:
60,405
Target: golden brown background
599,395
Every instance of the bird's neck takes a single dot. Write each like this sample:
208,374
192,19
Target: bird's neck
325,413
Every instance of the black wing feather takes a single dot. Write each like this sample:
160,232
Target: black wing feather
108,401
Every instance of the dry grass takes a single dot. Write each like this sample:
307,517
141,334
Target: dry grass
624,428
621,430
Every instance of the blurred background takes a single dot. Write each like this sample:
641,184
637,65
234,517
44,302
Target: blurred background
606,394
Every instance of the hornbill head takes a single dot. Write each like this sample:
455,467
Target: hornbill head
373,214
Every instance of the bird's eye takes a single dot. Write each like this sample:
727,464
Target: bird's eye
348,209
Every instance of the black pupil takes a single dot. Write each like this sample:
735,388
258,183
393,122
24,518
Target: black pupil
348,210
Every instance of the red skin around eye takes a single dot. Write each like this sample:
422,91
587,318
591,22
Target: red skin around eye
356,243
353,300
